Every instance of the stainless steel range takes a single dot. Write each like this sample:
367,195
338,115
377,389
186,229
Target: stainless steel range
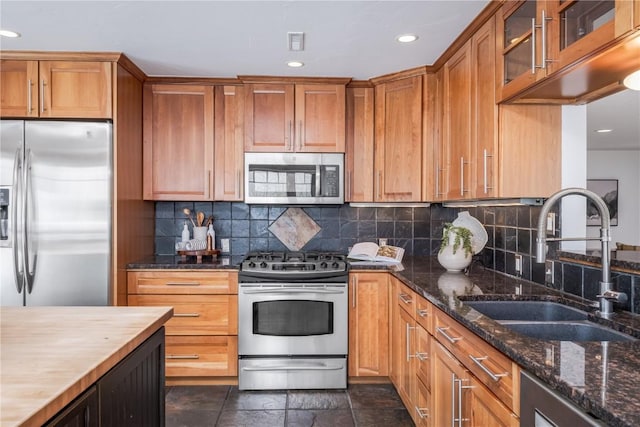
292,321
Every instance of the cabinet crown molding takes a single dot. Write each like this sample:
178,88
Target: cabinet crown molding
284,79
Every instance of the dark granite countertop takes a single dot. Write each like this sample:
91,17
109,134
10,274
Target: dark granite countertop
601,378
165,262
620,260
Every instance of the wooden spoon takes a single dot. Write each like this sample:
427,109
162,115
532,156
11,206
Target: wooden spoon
187,212
200,218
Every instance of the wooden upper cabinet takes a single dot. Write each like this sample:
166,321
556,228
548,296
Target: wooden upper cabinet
178,142
56,89
269,110
457,123
484,117
359,145
229,143
19,88
291,117
320,118
398,132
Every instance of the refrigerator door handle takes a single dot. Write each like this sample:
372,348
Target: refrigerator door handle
16,200
29,267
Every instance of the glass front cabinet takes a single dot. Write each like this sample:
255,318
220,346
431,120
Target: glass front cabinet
538,38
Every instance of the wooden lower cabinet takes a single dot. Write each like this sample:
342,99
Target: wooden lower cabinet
202,335
368,325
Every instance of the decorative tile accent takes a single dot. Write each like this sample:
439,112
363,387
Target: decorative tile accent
294,228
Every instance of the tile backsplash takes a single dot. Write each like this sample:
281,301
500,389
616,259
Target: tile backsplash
511,231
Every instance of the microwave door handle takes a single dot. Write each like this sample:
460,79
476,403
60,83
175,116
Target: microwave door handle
318,181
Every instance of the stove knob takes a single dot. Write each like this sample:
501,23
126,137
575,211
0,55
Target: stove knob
263,264
252,264
334,265
323,264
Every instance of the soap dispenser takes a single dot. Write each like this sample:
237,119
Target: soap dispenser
185,232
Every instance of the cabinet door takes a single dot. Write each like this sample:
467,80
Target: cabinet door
482,408
398,150
369,325
530,146
404,330
359,145
82,412
178,142
269,119
457,123
229,143
449,377
320,118
19,88
75,89
484,121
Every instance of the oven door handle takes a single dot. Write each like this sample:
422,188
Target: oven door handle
292,291
319,367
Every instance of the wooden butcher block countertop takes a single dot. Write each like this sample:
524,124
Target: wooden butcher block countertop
50,355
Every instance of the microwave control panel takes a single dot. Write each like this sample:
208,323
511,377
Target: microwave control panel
330,181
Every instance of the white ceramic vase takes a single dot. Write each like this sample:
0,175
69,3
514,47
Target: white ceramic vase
453,262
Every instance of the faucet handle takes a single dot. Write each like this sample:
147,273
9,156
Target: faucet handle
614,296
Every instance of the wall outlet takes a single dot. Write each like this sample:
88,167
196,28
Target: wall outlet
224,243
518,264
548,272
551,223
382,242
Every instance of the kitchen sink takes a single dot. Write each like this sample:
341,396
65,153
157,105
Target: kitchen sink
545,311
546,320
567,331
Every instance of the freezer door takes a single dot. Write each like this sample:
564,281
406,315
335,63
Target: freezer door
69,212
11,156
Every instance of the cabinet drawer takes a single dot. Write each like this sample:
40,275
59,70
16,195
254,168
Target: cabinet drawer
405,298
423,409
199,356
195,314
494,369
424,314
182,282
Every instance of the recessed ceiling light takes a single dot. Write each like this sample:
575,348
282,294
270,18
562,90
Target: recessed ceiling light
9,33
295,64
407,38
632,81
604,130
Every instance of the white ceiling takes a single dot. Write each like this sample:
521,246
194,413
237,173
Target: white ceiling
229,38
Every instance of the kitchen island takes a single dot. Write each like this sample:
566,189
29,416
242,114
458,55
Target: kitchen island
52,355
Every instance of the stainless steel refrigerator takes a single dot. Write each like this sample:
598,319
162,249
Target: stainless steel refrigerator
55,212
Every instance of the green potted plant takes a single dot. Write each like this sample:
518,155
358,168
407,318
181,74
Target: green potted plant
455,250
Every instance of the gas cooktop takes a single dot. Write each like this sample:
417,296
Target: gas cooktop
293,265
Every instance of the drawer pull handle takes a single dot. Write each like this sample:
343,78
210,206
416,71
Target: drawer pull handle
183,284
422,412
186,315
478,361
422,356
449,338
423,313
182,356
405,298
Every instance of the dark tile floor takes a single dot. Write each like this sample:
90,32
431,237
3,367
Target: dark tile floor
369,405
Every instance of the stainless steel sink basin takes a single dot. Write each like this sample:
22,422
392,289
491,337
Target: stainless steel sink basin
567,331
546,311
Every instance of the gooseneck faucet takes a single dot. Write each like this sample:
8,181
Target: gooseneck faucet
607,294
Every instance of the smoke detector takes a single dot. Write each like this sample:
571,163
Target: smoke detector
295,41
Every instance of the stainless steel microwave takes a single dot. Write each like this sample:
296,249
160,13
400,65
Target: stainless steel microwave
294,178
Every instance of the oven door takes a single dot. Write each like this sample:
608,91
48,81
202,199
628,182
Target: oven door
292,319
